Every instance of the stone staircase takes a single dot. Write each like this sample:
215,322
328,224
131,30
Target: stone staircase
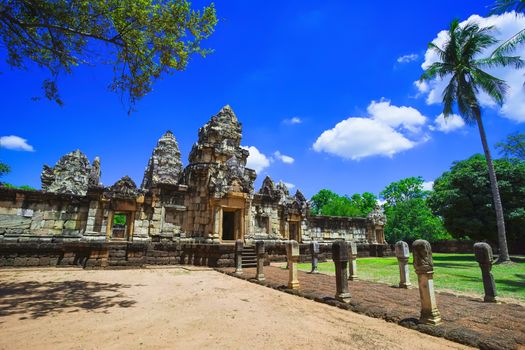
249,257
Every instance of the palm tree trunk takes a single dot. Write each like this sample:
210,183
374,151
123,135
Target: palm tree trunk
502,236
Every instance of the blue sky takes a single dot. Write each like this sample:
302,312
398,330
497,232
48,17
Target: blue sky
320,63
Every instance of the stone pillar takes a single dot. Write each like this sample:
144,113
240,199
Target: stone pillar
402,254
259,250
483,253
340,258
314,249
239,245
424,267
352,262
292,251
217,223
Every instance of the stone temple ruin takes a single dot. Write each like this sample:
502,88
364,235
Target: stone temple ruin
211,201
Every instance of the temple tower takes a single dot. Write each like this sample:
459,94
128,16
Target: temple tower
220,187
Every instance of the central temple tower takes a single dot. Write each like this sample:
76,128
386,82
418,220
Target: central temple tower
220,187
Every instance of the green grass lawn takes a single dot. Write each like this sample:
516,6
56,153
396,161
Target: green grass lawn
458,272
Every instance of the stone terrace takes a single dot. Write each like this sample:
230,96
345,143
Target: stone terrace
465,320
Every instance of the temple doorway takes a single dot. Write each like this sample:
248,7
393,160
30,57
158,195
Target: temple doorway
293,227
120,226
228,225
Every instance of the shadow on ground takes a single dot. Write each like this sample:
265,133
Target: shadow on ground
33,300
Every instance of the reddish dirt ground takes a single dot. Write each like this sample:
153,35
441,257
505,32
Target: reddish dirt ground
179,309
465,320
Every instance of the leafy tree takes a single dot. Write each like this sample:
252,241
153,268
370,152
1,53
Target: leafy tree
322,198
143,38
513,146
365,202
462,197
408,215
404,190
4,169
326,202
341,206
119,219
464,71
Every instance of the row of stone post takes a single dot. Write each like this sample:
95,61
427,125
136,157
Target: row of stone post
344,256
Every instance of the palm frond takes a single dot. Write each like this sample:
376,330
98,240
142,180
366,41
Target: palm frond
510,44
437,70
508,5
500,61
466,99
449,96
494,87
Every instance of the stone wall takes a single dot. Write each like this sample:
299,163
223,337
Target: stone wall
25,214
113,254
329,228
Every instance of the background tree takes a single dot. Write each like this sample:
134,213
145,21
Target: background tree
408,215
460,65
462,197
4,169
326,202
513,146
143,39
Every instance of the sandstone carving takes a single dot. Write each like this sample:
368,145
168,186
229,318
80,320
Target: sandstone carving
70,175
425,274
125,188
403,254
377,216
164,166
340,258
484,257
212,200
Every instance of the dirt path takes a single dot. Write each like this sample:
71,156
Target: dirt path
174,308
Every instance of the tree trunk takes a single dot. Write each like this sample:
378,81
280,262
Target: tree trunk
502,236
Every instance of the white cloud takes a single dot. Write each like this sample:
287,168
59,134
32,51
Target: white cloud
256,160
394,116
283,158
356,138
505,25
428,185
408,58
15,143
451,123
292,121
384,132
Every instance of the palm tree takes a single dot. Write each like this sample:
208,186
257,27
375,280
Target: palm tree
459,62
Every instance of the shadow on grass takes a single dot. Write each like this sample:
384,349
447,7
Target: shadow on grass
455,258
506,285
34,300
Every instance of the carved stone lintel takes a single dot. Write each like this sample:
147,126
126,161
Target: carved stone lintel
124,188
